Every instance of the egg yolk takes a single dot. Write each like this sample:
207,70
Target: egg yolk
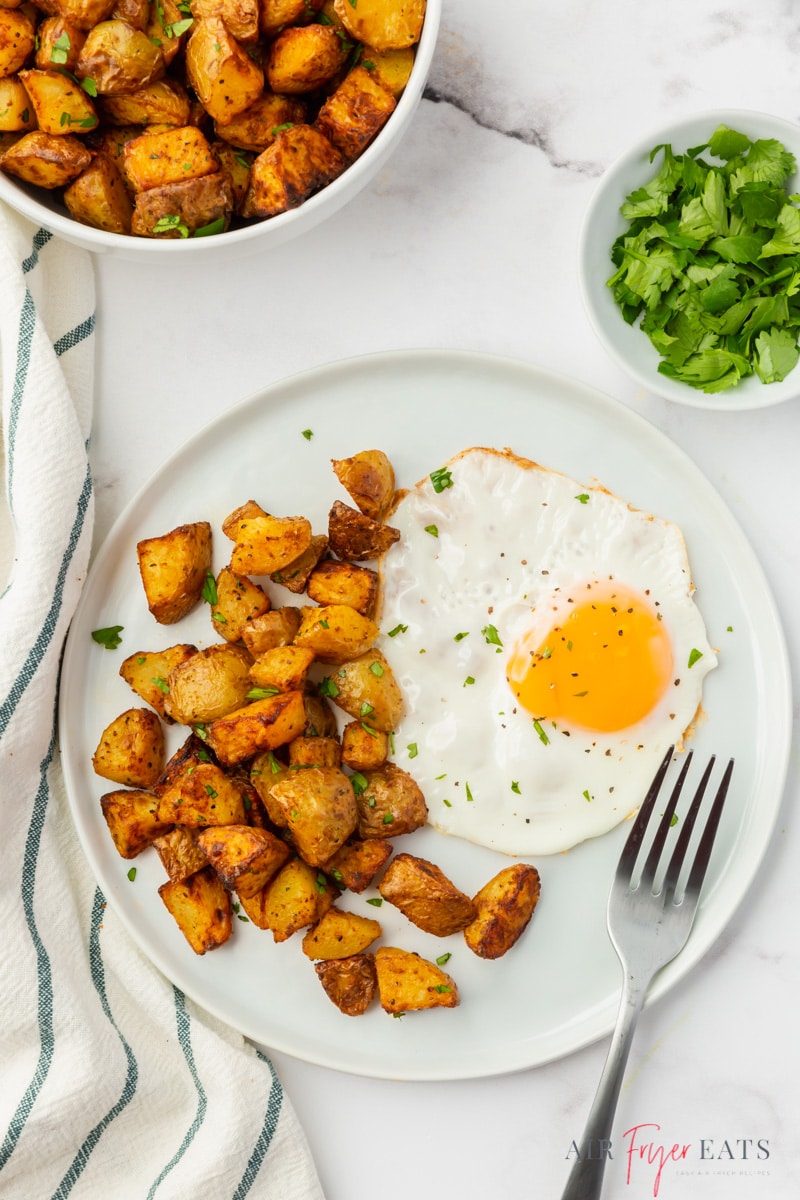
603,667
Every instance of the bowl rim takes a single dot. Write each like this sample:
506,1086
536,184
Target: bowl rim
751,394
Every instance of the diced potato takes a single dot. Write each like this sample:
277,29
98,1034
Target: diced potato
335,632
240,16
319,807
295,574
81,13
195,791
259,124
179,210
245,859
231,523
384,24
366,688
265,771
425,895
351,983
202,909
357,110
263,725
357,863
303,58
131,749
209,684
314,752
239,600
148,671
320,717
164,102
265,543
168,28
98,197
297,897
299,162
409,983
119,58
225,78
176,154
17,40
354,536
45,159
132,819
504,907
135,12
390,803
363,748
340,934
59,43
368,478
333,582
282,667
16,110
179,853
236,165
275,15
275,628
173,568
392,67
60,105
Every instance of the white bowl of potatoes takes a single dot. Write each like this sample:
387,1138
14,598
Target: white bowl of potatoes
153,127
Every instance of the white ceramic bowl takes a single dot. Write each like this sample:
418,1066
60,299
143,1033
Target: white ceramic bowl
46,210
603,223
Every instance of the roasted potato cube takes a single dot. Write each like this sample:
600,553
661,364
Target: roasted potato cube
392,67
178,210
164,102
351,983
303,58
384,24
17,40
409,983
175,154
265,771
319,807
147,673
224,77
240,16
58,44
335,632
356,111
425,895
275,628
366,688
135,12
132,819
298,163
335,582
236,165
263,725
173,568
238,601
82,13
60,105
98,197
16,112
340,934
298,896
233,521
504,907
363,748
259,124
354,536
195,791
389,803
275,15
119,58
167,28
265,544
314,752
282,667
294,575
45,159
131,749
357,863
244,858
208,684
202,909
320,717
179,853
368,478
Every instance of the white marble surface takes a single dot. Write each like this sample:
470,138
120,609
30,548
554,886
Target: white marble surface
467,239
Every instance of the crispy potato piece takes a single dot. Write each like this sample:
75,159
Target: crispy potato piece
265,544
239,600
259,124
314,752
119,58
131,749
409,983
135,12
175,154
59,104
392,67
231,523
45,159
504,907
82,13
366,688
164,102
17,40
304,57
275,15
299,162
209,684
181,209
173,568
240,16
59,44
425,895
298,896
335,632
179,853
295,574
340,934
354,536
282,667
98,197
16,111
263,725
265,771
357,863
224,77
319,807
351,983
384,24
165,27
368,478
148,671
356,111
202,909
236,165
275,628
390,803
244,858
132,820
193,790
335,582
320,717
363,748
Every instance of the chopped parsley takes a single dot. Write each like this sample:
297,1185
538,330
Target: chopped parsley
209,592
491,635
441,479
397,629
694,656
433,530
108,637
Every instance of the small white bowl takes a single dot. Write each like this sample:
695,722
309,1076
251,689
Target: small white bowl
603,223
46,209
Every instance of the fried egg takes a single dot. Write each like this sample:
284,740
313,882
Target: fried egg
548,645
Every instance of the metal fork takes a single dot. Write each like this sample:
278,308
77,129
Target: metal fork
649,920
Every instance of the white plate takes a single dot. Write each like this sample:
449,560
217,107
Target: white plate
557,989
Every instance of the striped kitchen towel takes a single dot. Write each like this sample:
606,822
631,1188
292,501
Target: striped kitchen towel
113,1084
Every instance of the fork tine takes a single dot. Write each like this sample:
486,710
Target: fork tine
698,871
664,825
630,850
687,827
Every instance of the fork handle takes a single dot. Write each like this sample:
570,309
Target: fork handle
585,1180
